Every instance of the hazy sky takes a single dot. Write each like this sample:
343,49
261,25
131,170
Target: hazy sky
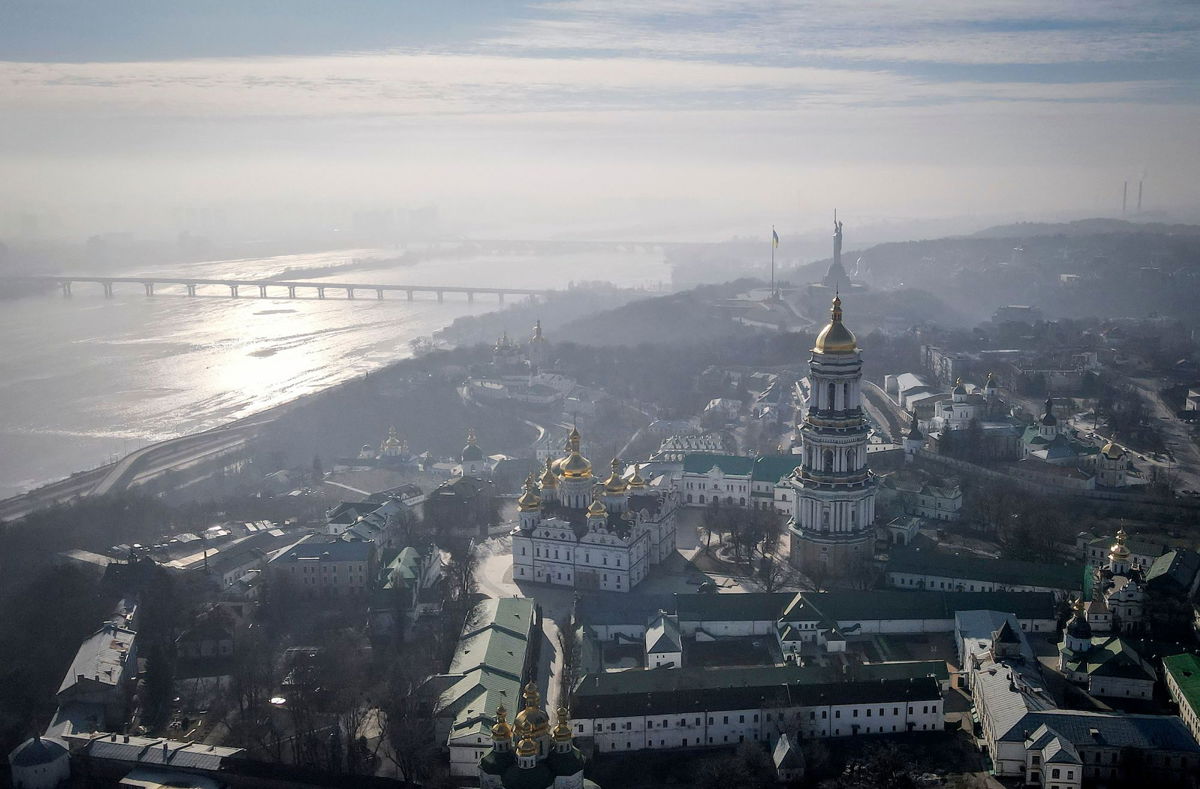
633,118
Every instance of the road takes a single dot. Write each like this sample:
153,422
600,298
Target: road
1185,457
888,416
64,490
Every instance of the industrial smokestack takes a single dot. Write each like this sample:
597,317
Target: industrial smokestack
1139,196
1124,197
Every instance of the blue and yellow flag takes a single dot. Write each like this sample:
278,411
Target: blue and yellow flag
774,238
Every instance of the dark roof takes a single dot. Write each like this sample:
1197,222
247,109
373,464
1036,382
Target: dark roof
567,763
613,608
1005,571
1006,634
888,604
1110,730
651,502
618,608
688,699
35,751
750,606
1174,571
328,550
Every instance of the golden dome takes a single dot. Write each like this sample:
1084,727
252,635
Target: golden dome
1112,451
596,509
835,337
615,482
529,500
533,720
575,466
1119,551
527,747
393,440
501,730
562,729
548,478
636,481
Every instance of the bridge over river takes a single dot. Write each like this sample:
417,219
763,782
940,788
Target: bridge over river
268,288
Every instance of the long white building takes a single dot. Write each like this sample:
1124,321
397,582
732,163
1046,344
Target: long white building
694,708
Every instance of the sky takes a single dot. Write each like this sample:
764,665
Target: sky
630,119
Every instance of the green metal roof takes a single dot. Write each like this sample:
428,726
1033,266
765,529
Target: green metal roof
1112,656
1185,670
730,465
772,468
846,606
1005,571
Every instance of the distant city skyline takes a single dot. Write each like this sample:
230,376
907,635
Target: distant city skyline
594,118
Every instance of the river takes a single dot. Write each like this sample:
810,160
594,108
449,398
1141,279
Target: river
86,379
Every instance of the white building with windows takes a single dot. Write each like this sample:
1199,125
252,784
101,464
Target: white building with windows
721,480
698,708
576,531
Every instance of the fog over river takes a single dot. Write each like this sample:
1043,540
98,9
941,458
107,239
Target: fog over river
85,379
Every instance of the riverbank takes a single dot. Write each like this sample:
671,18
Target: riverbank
345,434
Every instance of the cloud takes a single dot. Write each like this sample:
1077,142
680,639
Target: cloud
931,31
422,85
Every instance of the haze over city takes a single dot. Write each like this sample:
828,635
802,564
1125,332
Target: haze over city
599,394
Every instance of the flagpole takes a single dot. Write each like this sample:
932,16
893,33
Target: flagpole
772,261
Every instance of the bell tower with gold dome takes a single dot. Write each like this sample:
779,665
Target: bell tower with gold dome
833,509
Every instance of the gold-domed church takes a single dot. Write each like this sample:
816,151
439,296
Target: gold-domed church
530,754
577,530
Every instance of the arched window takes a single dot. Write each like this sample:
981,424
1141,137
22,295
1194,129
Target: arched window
832,390
829,461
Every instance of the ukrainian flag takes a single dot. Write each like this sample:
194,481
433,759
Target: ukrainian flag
774,238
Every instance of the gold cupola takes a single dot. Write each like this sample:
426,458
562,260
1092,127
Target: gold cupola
636,482
562,729
1119,551
526,746
597,509
615,482
549,481
575,465
529,500
1112,450
533,720
835,337
501,730
393,439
